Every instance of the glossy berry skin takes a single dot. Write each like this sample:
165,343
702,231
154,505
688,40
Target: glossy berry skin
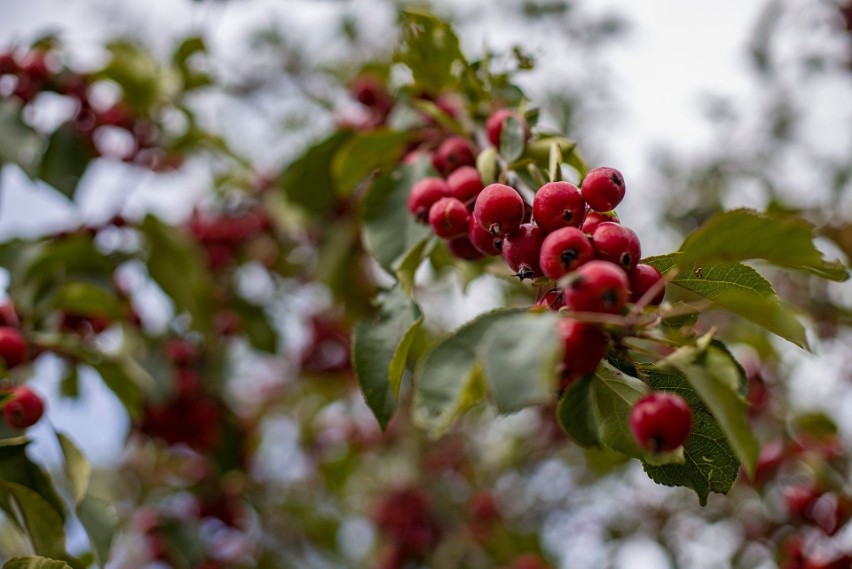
557,205
603,189
595,218
660,422
24,409
424,194
448,218
494,125
642,278
453,153
465,184
13,347
617,244
484,242
552,300
563,251
597,286
499,209
461,248
521,250
584,347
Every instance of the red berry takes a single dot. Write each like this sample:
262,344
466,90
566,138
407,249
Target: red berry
597,286
371,92
499,209
13,347
617,244
660,422
24,409
552,300
448,218
522,249
465,183
584,347
642,278
484,507
8,315
563,251
453,153
461,248
484,242
8,64
424,194
595,218
494,125
558,204
180,352
603,189
800,500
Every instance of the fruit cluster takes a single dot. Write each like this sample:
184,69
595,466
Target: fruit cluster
24,407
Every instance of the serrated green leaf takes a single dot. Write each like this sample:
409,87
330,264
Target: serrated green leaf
65,159
77,468
519,356
716,378
176,263
35,563
512,139
380,349
779,238
365,153
735,287
87,299
100,521
20,144
710,464
430,49
308,181
42,522
486,165
449,377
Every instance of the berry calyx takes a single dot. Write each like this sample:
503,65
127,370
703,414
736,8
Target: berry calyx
448,218
557,205
499,209
453,153
595,218
642,279
617,244
603,189
584,347
24,409
464,184
494,125
424,194
13,347
485,242
660,422
563,251
597,286
521,251
461,248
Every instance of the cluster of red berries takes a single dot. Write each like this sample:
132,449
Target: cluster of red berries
224,237
404,517
24,407
38,70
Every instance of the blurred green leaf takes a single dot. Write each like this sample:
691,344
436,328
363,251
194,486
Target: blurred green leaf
512,139
430,49
86,299
127,380
100,521
486,164
65,160
16,467
145,84
365,153
77,468
42,522
35,563
254,323
308,182
19,143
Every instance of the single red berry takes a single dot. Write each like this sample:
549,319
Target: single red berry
552,299
597,286
563,251
603,189
499,209
461,248
24,409
494,125
617,244
522,249
595,218
424,194
660,422
584,347
371,92
453,153
557,205
642,278
800,499
8,315
485,243
13,347
465,184
448,218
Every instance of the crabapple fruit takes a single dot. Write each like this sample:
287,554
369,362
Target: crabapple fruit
521,250
563,251
448,218
597,286
603,189
499,209
660,422
558,204
617,244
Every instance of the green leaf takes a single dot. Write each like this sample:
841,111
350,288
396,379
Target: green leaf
717,378
254,323
380,349
127,380
19,143
781,239
144,83
735,287
486,164
512,139
77,468
554,170
308,182
449,379
65,160
576,413
35,563
100,521
519,356
710,464
430,49
16,467
87,299
176,263
389,232
365,153
42,522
